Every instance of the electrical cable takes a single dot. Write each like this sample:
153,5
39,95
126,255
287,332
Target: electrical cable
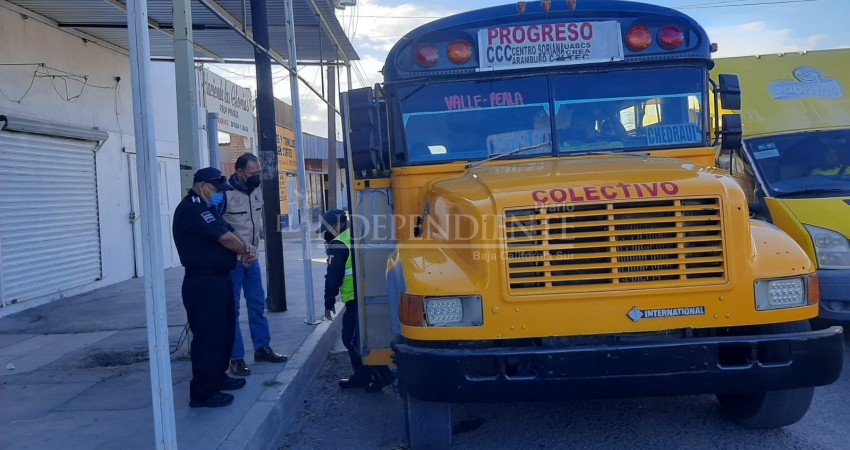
180,339
708,5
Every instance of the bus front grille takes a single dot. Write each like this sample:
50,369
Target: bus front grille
614,246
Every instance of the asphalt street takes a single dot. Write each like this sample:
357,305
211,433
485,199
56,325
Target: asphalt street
335,419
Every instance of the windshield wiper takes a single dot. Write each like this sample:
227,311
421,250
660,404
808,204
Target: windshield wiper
810,191
603,152
512,152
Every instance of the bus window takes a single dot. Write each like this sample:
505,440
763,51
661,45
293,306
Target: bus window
467,121
596,116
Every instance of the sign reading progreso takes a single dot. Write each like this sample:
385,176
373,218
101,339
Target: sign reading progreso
597,193
550,44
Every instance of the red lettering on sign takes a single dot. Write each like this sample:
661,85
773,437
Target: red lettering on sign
560,31
652,189
519,35
547,33
539,196
572,29
586,31
596,193
670,188
559,195
574,197
534,34
492,33
504,36
590,193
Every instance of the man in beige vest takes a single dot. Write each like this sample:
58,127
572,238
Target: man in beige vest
243,210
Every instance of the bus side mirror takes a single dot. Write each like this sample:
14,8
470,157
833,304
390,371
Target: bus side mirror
730,91
731,132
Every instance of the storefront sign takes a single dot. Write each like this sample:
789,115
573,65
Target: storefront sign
233,104
286,158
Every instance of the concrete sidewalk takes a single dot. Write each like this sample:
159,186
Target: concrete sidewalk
74,373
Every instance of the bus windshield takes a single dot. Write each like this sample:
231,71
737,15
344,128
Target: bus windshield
615,110
803,163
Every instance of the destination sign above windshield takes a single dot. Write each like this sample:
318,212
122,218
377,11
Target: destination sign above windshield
549,44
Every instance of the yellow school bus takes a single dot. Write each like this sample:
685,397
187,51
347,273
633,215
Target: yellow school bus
794,165
536,214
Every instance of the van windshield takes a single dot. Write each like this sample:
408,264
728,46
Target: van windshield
803,163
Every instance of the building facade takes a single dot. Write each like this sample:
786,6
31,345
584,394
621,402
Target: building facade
69,209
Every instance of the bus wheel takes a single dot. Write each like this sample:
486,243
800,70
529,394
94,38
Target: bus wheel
767,410
429,424
771,409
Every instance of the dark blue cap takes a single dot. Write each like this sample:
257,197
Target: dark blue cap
214,177
331,219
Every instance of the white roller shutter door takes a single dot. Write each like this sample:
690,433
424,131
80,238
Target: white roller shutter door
49,230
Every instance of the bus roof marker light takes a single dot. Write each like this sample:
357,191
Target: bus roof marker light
427,55
546,5
571,4
638,38
520,7
459,52
671,37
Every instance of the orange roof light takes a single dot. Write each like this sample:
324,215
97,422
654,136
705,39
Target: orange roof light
638,38
459,52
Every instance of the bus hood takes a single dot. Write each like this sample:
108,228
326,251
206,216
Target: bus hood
579,180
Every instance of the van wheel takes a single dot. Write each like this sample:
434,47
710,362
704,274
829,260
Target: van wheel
429,424
771,409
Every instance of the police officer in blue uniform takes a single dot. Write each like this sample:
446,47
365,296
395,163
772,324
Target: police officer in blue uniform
208,250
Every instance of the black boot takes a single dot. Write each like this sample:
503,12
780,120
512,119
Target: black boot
355,381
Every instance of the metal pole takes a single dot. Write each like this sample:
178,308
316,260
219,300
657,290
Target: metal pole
302,175
154,279
212,139
267,134
333,172
187,98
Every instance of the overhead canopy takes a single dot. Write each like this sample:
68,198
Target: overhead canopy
218,27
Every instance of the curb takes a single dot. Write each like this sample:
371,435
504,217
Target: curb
270,417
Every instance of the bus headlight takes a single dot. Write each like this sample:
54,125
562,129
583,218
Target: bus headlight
781,293
832,250
454,311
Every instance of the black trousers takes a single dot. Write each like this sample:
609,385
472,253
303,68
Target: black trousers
351,341
208,300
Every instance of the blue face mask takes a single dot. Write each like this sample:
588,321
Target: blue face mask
217,199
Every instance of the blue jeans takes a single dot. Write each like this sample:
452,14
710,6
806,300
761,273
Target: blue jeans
250,280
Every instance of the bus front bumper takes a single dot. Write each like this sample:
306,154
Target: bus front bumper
737,364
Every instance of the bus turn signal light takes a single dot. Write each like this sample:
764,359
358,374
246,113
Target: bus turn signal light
638,38
411,310
460,52
671,37
427,55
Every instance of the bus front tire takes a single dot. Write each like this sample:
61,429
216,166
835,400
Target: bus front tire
770,409
428,424
767,410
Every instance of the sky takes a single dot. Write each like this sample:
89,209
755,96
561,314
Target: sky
739,27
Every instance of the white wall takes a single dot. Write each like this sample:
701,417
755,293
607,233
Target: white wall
108,107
